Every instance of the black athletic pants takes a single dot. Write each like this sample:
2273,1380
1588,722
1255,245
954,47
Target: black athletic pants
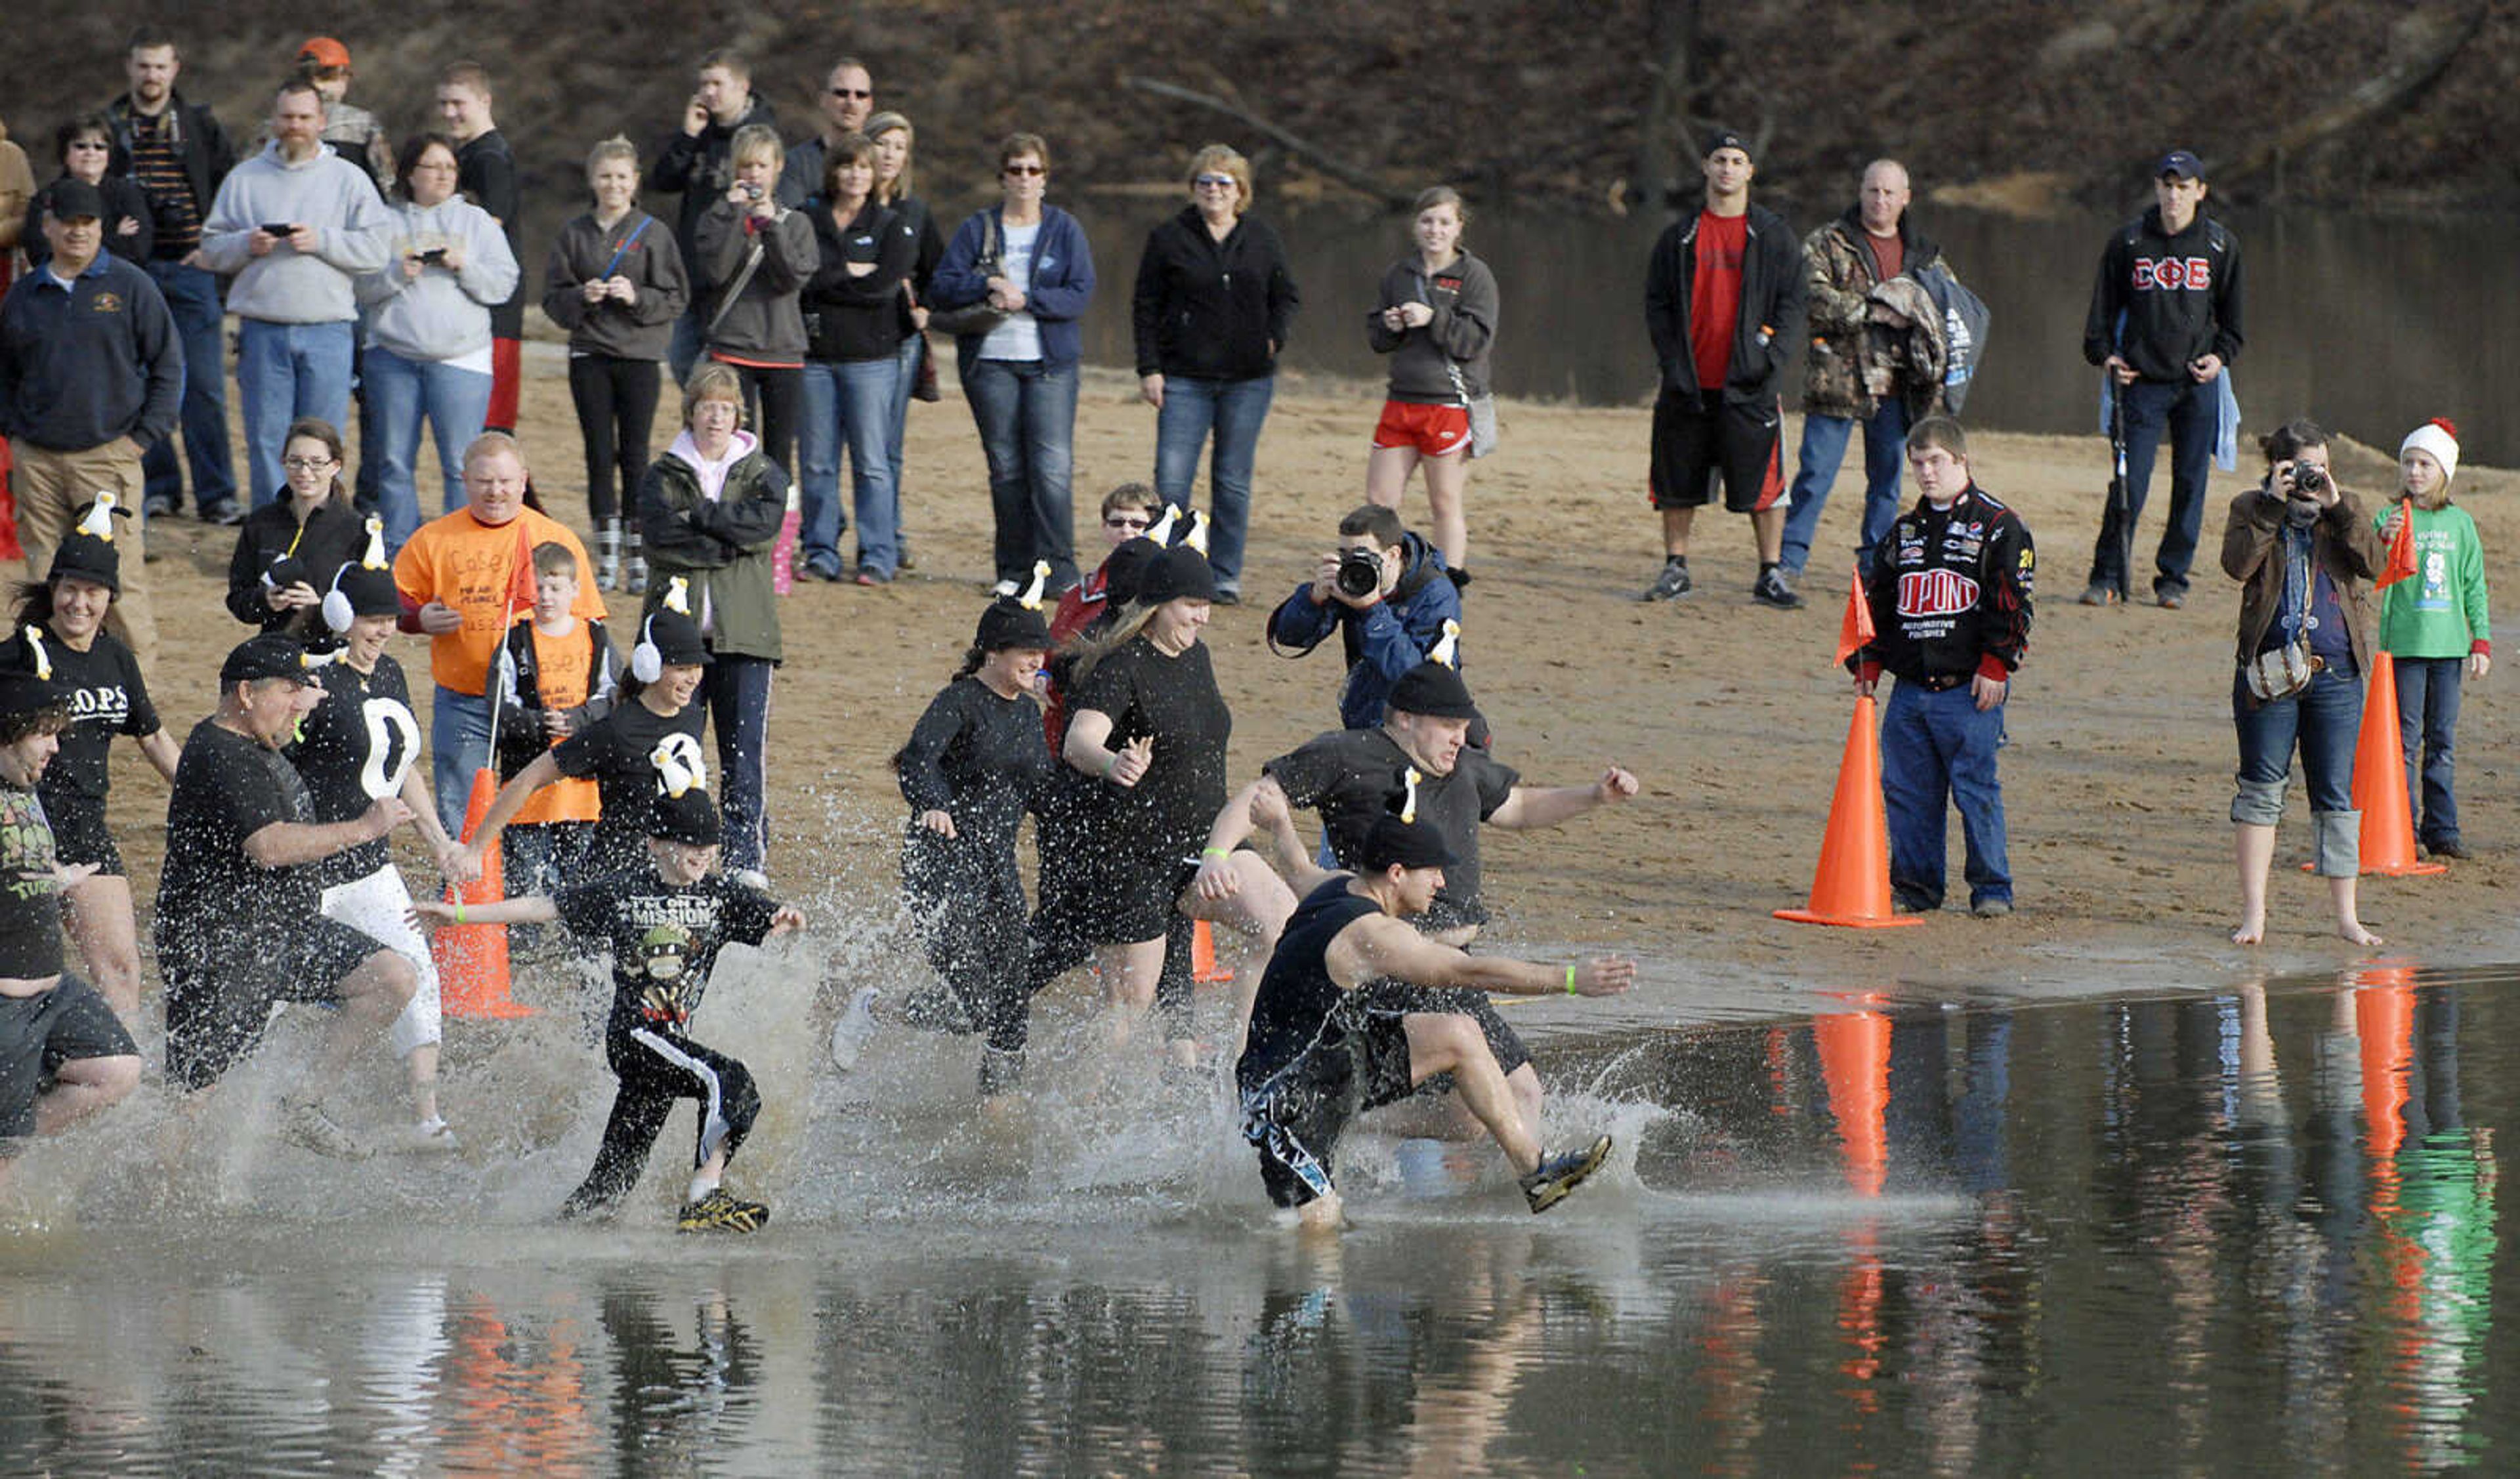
658,1065
617,405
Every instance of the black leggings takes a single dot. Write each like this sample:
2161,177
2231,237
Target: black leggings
616,404
774,402
658,1065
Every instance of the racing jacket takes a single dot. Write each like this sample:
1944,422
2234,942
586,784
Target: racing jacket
1951,602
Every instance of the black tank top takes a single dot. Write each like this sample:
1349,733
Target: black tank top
1296,993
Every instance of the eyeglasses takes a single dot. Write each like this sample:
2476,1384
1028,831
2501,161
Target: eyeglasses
1125,521
1217,182
306,464
89,144
1027,169
852,92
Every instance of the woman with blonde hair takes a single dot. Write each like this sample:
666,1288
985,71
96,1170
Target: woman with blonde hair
752,258
895,189
1213,306
1436,317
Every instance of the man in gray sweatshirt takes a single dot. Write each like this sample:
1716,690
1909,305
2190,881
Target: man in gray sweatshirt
293,226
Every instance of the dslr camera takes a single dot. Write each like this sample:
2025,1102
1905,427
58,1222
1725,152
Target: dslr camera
2309,482
1360,573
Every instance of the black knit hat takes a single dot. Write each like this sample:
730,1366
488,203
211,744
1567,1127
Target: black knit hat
676,637
369,592
89,552
1181,574
691,817
1125,568
1433,688
23,693
1010,624
1410,844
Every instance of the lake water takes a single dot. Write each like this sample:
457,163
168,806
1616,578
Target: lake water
2372,325
2244,1230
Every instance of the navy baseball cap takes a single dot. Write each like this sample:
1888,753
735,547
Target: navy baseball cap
2179,164
1724,138
73,199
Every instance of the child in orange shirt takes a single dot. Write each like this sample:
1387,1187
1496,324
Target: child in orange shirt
554,675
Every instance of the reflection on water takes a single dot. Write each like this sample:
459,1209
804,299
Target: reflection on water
2371,325
2251,1230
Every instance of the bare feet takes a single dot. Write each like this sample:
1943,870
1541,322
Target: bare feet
2351,930
2251,932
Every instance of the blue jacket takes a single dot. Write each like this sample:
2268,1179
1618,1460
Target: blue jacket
81,367
1063,282
1386,639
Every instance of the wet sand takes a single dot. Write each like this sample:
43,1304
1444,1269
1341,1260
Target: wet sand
2117,778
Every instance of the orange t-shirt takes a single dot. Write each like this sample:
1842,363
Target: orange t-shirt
471,566
562,671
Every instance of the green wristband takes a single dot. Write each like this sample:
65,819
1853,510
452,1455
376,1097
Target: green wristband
459,911
1570,980
1215,852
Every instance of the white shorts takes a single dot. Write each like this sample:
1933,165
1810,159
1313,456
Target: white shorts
378,907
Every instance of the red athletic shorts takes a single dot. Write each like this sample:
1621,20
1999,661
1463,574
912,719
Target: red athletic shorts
1434,430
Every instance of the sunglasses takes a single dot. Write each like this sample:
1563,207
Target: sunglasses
1027,169
1217,182
1124,522
852,92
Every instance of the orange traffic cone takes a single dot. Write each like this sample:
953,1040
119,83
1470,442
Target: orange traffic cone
1203,968
472,959
2380,782
1854,1062
1852,885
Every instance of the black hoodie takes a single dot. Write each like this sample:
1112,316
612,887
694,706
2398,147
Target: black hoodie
2181,296
696,166
1209,309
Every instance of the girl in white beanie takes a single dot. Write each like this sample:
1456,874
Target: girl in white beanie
2434,623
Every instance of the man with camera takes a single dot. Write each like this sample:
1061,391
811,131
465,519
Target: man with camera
2165,323
1383,590
694,162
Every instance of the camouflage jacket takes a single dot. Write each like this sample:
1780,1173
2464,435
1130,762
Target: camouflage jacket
1840,280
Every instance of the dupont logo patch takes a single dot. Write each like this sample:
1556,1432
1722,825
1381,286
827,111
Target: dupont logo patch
1936,593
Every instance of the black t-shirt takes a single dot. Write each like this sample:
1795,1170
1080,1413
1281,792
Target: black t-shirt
978,757
1352,776
353,749
211,898
485,168
1175,701
613,752
1296,993
664,940
30,896
107,697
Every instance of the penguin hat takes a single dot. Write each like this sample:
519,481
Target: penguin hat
668,638
364,587
89,553
682,811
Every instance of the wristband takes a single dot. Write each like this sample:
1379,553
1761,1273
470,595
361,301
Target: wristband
459,911
1570,980
1215,852
1110,763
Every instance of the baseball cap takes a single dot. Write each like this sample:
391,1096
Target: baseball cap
2181,163
272,655
1724,138
325,52
75,200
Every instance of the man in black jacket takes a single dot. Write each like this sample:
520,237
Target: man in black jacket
2165,323
178,154
1724,303
693,161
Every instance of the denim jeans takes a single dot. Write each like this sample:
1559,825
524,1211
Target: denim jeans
849,403
2427,721
2187,412
1939,748
193,297
459,743
682,350
737,691
285,370
1234,411
1885,452
402,391
1026,415
2323,719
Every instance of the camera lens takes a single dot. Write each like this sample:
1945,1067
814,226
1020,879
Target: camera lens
1360,573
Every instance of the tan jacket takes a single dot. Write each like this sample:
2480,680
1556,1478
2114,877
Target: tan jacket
2343,542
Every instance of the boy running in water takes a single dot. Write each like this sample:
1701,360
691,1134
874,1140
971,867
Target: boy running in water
665,926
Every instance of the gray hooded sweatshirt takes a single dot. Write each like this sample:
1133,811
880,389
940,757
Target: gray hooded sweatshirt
439,314
287,286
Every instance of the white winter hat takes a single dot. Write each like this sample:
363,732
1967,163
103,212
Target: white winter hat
2438,438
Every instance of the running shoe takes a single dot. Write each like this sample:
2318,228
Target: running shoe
1563,1173
227,515
1671,585
1771,590
1004,588
719,1212
856,1025
428,1137
902,560
305,1125
2098,595
1991,909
